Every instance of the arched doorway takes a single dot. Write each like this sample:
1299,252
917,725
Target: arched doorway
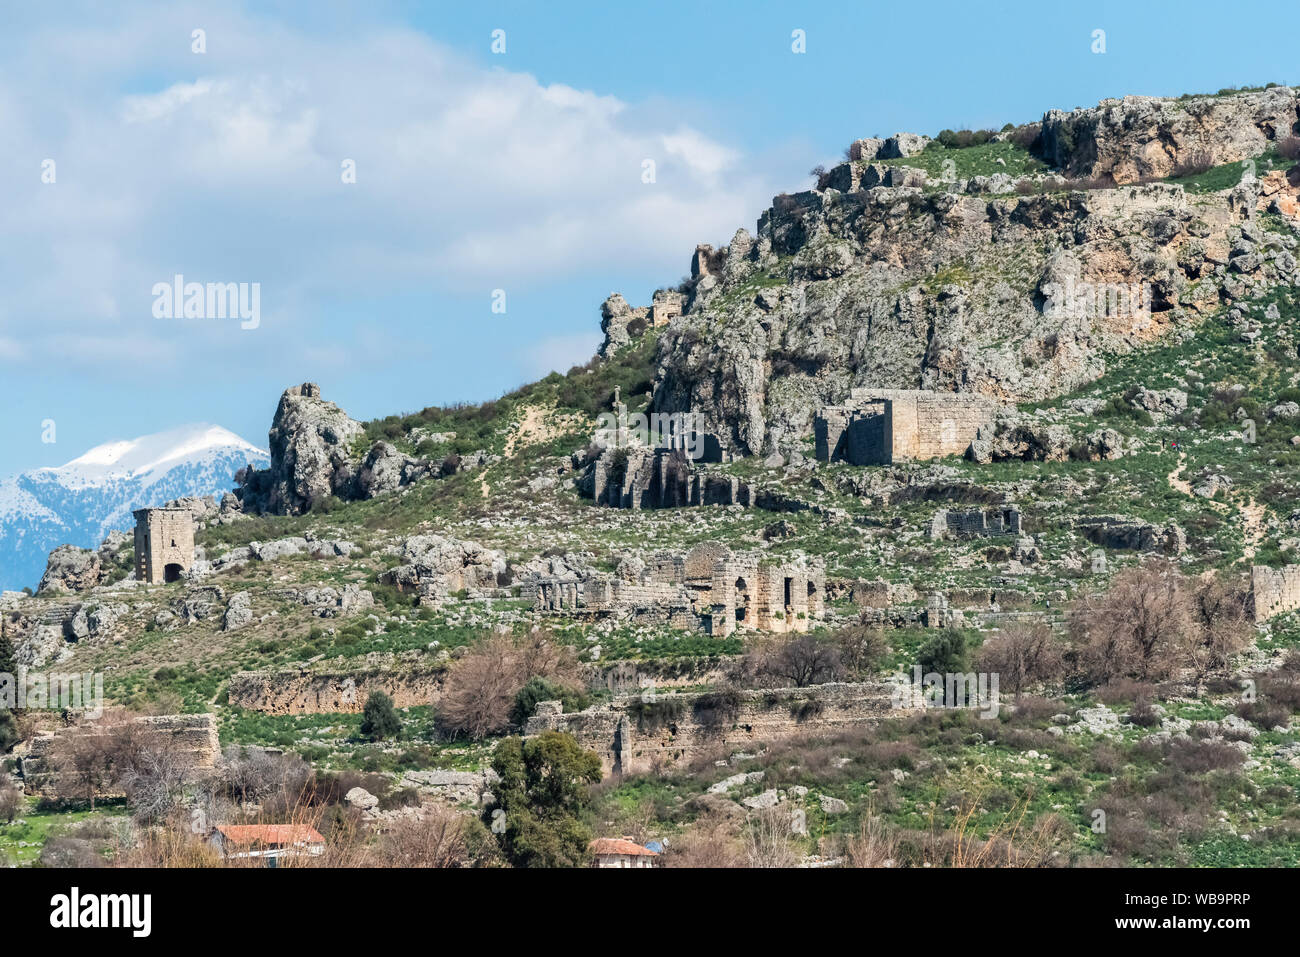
172,572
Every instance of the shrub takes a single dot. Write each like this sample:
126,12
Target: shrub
379,719
538,689
1288,147
1143,714
1021,655
652,714
961,139
943,654
713,709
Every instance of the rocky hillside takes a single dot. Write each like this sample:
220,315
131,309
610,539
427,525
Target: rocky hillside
941,282
1147,443
81,502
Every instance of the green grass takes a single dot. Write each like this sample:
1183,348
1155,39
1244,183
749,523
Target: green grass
22,840
971,161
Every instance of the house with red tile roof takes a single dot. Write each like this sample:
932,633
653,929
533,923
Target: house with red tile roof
621,852
271,842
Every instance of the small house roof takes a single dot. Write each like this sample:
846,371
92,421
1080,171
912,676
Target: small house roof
615,845
247,834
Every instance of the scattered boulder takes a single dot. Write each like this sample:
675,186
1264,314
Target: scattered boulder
361,799
437,566
239,612
385,469
1113,531
1161,403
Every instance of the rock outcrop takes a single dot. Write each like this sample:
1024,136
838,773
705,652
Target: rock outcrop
436,566
314,457
310,450
1141,137
70,569
1020,296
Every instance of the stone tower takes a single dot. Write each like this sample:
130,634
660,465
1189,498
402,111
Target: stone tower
164,544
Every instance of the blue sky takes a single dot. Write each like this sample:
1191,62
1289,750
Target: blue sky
475,171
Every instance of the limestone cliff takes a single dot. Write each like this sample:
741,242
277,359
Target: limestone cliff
959,286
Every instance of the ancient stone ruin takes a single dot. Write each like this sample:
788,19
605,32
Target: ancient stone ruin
649,462
1274,591
883,426
622,323
192,737
164,544
708,588
634,735
974,523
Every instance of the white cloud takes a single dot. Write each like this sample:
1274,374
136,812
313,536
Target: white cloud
467,178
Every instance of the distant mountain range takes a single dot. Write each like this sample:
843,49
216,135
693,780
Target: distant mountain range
81,502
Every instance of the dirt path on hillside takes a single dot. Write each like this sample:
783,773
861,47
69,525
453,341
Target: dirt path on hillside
1175,479
1253,514
539,424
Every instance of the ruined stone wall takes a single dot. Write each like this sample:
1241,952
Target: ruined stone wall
932,424
634,737
753,595
707,588
1275,591
975,523
880,426
637,478
193,735
304,691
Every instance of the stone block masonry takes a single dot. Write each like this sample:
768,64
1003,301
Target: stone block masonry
633,735
193,736
974,523
333,691
883,426
164,544
707,588
1274,591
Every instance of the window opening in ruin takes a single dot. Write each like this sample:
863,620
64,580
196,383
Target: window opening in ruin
789,592
742,607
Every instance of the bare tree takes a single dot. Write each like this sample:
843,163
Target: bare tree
862,648
1221,624
253,774
436,839
1137,627
85,760
800,661
1022,654
480,688
153,770
11,800
770,839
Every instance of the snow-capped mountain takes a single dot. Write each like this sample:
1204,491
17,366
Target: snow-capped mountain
81,502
